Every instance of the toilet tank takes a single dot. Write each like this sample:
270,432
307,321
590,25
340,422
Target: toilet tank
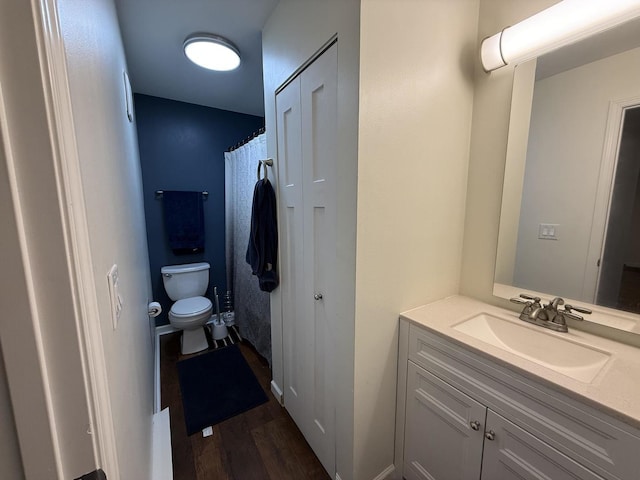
185,281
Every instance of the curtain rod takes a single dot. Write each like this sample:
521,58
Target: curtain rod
260,131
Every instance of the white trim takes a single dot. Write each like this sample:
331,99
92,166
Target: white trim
162,460
69,184
277,392
604,192
160,330
165,329
49,447
386,473
401,393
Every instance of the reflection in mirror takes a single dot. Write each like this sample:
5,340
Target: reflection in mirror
570,220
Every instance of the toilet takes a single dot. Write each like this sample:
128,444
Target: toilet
186,285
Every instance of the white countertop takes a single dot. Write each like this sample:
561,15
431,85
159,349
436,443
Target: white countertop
615,389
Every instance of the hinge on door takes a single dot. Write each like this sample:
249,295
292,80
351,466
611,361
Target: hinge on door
598,263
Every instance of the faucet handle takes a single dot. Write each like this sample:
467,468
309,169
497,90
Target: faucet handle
568,308
530,297
567,312
529,304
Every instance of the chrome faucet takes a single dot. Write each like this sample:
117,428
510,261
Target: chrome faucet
548,315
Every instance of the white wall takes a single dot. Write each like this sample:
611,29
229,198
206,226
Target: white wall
491,110
568,125
292,35
111,178
413,139
416,96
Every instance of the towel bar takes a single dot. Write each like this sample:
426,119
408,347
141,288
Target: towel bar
267,163
160,193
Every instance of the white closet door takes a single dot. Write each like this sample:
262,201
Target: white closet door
306,159
291,251
319,119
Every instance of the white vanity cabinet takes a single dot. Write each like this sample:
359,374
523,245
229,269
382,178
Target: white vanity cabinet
440,442
451,436
463,416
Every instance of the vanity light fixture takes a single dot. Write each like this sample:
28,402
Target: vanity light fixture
212,52
561,24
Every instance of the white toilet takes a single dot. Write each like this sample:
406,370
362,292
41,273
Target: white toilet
186,284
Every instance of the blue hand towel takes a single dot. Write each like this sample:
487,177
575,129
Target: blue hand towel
262,250
184,221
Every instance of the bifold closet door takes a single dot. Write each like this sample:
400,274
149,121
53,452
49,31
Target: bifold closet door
306,130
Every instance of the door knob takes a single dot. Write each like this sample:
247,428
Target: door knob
490,435
475,425
317,296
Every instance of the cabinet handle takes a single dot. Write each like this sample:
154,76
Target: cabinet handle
317,296
475,425
490,435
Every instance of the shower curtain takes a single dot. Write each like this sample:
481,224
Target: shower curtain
250,303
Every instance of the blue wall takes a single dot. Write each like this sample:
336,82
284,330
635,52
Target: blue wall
182,148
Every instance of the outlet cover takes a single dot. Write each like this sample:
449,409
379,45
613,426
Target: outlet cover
548,231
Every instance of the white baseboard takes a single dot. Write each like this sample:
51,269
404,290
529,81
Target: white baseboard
164,329
386,473
277,392
162,466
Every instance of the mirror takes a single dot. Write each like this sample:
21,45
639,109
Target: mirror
570,218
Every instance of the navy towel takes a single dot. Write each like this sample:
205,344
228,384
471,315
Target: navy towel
262,251
184,221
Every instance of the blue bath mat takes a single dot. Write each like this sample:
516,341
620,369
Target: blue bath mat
216,386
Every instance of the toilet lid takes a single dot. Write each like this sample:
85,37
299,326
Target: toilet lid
190,306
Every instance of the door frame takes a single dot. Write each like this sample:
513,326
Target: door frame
78,245
43,449
604,193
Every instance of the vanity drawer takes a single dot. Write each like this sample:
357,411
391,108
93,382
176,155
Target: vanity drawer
596,440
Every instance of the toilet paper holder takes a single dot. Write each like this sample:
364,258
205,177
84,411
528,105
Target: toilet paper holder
155,309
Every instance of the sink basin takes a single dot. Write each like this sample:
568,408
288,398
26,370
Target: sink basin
578,361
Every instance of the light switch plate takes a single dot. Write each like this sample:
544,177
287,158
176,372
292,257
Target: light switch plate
113,279
548,231
207,432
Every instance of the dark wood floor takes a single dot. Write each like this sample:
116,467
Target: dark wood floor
263,443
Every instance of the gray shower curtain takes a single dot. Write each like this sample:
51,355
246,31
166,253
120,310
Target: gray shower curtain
250,303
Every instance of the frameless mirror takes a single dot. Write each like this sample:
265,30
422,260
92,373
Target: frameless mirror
570,218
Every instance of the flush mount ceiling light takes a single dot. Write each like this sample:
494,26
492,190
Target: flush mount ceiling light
561,24
211,52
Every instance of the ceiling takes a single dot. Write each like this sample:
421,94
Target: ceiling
153,32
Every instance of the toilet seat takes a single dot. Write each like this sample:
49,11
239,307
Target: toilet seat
190,307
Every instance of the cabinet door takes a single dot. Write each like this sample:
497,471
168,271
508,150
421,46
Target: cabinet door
441,440
512,453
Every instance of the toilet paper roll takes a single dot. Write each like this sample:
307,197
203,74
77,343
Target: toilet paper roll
155,309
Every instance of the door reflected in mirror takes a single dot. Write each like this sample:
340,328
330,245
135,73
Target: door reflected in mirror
570,220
